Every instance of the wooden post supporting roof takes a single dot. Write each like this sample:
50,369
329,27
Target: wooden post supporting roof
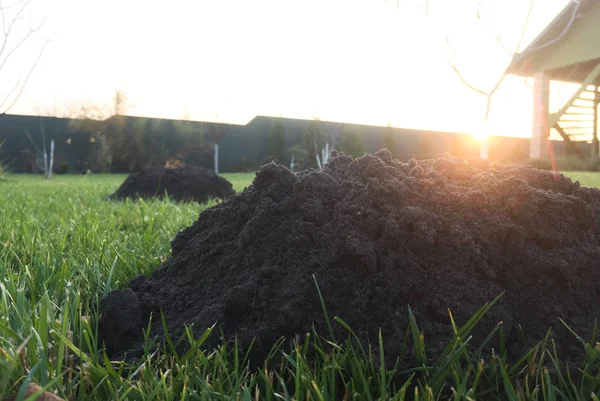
541,130
567,50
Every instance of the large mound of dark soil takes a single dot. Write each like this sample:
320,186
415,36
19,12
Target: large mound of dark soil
187,183
378,235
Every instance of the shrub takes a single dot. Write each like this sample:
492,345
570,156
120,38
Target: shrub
352,143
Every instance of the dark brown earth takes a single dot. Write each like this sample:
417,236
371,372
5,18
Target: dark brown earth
379,235
186,183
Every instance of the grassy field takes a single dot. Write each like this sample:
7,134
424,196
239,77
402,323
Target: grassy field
62,246
587,179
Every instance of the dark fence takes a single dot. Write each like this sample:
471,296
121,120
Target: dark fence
134,143
22,139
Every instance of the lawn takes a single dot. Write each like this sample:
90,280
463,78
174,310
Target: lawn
62,246
586,178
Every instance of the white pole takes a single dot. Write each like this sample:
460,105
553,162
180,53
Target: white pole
292,163
51,159
44,144
45,162
541,131
484,138
483,149
217,158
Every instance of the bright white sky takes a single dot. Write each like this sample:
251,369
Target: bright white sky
360,61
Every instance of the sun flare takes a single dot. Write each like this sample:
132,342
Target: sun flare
481,131
481,135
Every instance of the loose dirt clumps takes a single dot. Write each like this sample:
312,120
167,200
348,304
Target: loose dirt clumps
186,183
378,235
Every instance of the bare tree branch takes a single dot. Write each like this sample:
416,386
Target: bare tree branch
489,94
508,51
33,143
16,99
3,19
19,44
7,31
462,78
7,49
15,4
524,30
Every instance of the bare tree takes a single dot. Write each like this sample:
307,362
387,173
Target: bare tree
121,103
488,93
87,116
321,139
97,119
42,157
13,19
87,109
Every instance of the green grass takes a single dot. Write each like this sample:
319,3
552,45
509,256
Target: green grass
62,246
586,178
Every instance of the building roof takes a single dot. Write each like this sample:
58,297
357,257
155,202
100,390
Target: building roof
568,48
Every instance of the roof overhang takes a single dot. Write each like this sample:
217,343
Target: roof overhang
550,39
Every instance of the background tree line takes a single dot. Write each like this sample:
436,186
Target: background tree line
317,138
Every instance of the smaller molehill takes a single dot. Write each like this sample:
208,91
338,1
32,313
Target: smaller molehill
184,183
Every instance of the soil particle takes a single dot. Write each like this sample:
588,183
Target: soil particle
379,235
187,183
